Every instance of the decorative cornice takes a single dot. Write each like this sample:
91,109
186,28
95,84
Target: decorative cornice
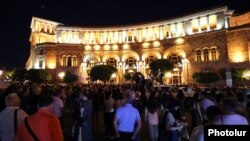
44,21
148,25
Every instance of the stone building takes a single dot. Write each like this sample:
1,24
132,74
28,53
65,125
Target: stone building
204,41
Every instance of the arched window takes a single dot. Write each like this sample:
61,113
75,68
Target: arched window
175,59
198,55
206,55
214,54
131,61
91,62
74,61
64,61
111,61
150,59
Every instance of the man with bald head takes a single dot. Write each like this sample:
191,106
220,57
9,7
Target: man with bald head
8,122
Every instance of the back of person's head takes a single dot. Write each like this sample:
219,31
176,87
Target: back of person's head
229,105
45,100
129,96
12,100
214,115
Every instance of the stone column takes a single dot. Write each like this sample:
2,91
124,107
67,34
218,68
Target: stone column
161,33
169,32
208,26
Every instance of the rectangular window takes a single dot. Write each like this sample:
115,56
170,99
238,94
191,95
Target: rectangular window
203,23
40,63
213,21
195,25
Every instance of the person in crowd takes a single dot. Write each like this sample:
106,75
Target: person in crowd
11,117
109,115
152,116
86,117
58,105
44,124
231,117
215,117
170,127
127,120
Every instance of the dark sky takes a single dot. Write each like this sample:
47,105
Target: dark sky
16,17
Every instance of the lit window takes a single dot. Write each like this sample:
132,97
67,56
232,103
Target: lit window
195,25
214,54
111,62
91,62
40,63
74,61
203,23
212,21
150,59
198,55
64,61
206,55
174,58
131,62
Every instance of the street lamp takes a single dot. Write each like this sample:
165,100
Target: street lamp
1,73
61,75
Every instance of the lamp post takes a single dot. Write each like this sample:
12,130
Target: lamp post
61,75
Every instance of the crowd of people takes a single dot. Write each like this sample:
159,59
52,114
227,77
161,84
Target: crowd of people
35,111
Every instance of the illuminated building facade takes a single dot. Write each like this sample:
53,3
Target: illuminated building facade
204,41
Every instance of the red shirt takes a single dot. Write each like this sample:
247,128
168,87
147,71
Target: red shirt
45,126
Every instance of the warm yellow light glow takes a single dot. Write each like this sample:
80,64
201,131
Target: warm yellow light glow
115,47
113,75
130,71
179,41
168,74
195,25
106,47
61,75
125,46
145,45
156,44
51,65
97,47
179,29
173,29
87,47
246,74
1,72
212,21
238,57
203,23
175,69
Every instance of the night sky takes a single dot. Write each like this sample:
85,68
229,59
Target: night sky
16,17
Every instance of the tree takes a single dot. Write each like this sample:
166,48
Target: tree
38,75
205,77
70,77
102,72
17,74
127,77
159,67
